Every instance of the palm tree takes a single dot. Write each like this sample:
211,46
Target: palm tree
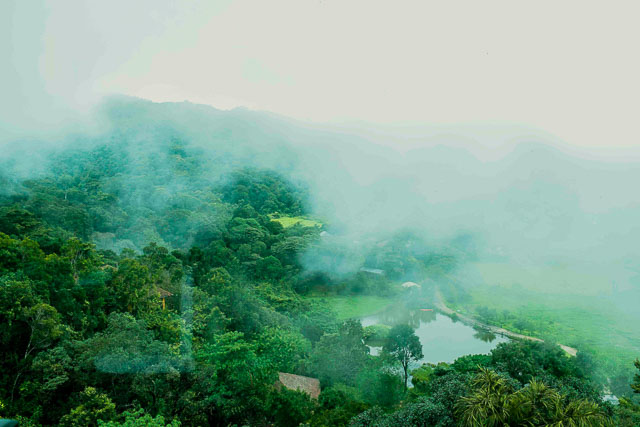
488,405
493,402
579,413
533,404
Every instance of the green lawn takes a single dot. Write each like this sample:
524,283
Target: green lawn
550,279
288,221
348,307
559,305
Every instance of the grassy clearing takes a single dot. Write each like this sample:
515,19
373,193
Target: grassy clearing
289,221
348,307
550,279
558,305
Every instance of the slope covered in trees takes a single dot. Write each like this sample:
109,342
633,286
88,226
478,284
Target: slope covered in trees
143,281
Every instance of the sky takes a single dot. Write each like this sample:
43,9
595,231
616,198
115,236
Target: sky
568,68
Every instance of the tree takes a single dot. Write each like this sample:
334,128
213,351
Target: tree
487,405
132,287
339,357
93,406
337,406
421,378
524,360
139,419
493,402
636,379
423,412
534,404
49,377
446,389
404,346
282,349
127,346
289,408
232,380
81,255
44,328
579,413
379,386
269,268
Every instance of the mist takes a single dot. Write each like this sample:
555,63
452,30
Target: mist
519,189
523,196
510,190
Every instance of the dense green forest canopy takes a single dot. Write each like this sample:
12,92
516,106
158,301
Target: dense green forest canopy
145,280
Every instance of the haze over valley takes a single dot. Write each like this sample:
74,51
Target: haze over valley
197,229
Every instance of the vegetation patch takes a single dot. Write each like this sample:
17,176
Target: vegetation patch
143,284
376,335
588,323
354,306
290,221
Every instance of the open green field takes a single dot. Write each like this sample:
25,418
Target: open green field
556,304
550,279
354,306
289,221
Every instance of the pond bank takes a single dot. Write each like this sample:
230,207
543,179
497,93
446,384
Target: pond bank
440,305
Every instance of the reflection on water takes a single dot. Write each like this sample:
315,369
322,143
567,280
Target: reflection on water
484,335
397,316
442,339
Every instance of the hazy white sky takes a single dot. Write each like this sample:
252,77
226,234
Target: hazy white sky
568,67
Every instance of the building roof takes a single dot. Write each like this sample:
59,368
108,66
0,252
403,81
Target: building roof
164,293
410,285
308,385
372,270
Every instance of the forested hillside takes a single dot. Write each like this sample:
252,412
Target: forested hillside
150,278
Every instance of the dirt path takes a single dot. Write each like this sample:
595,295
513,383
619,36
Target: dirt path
440,305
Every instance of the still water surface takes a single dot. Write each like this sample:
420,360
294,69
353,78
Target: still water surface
442,339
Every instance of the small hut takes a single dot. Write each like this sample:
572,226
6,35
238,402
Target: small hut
411,285
310,386
164,294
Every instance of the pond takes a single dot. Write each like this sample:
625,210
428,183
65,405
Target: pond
442,339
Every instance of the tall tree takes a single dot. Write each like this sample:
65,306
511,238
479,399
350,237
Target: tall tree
636,379
404,346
